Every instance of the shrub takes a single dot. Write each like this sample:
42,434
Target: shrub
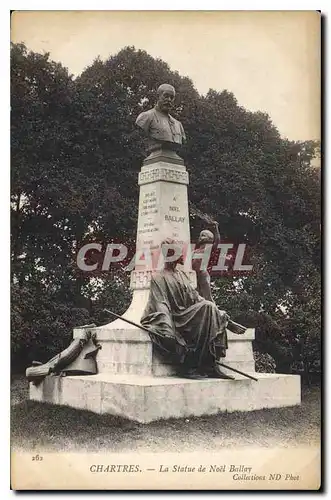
264,363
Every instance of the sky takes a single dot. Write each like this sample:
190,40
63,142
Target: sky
270,60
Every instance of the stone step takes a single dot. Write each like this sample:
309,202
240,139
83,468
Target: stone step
146,398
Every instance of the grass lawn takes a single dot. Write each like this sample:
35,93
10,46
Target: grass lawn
36,426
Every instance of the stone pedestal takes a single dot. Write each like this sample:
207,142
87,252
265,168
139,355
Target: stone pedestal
162,213
132,380
127,350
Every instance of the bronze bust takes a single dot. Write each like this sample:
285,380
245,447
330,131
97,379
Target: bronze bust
159,126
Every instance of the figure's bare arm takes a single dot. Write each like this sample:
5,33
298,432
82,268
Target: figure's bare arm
217,236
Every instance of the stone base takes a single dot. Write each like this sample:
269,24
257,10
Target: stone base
147,398
128,350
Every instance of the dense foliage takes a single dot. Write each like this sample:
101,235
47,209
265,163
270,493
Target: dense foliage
75,160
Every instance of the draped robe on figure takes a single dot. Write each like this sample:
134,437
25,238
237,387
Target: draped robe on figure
182,323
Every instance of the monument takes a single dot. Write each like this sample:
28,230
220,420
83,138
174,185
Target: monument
133,380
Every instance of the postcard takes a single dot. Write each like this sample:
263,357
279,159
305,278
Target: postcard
166,250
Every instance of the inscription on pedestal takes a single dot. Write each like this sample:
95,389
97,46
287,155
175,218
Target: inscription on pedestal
148,217
175,215
149,204
162,214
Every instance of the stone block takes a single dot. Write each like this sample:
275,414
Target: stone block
128,349
147,398
122,399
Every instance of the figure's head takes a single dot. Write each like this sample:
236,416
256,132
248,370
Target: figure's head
165,97
206,236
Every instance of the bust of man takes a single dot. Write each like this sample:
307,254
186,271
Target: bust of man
157,123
